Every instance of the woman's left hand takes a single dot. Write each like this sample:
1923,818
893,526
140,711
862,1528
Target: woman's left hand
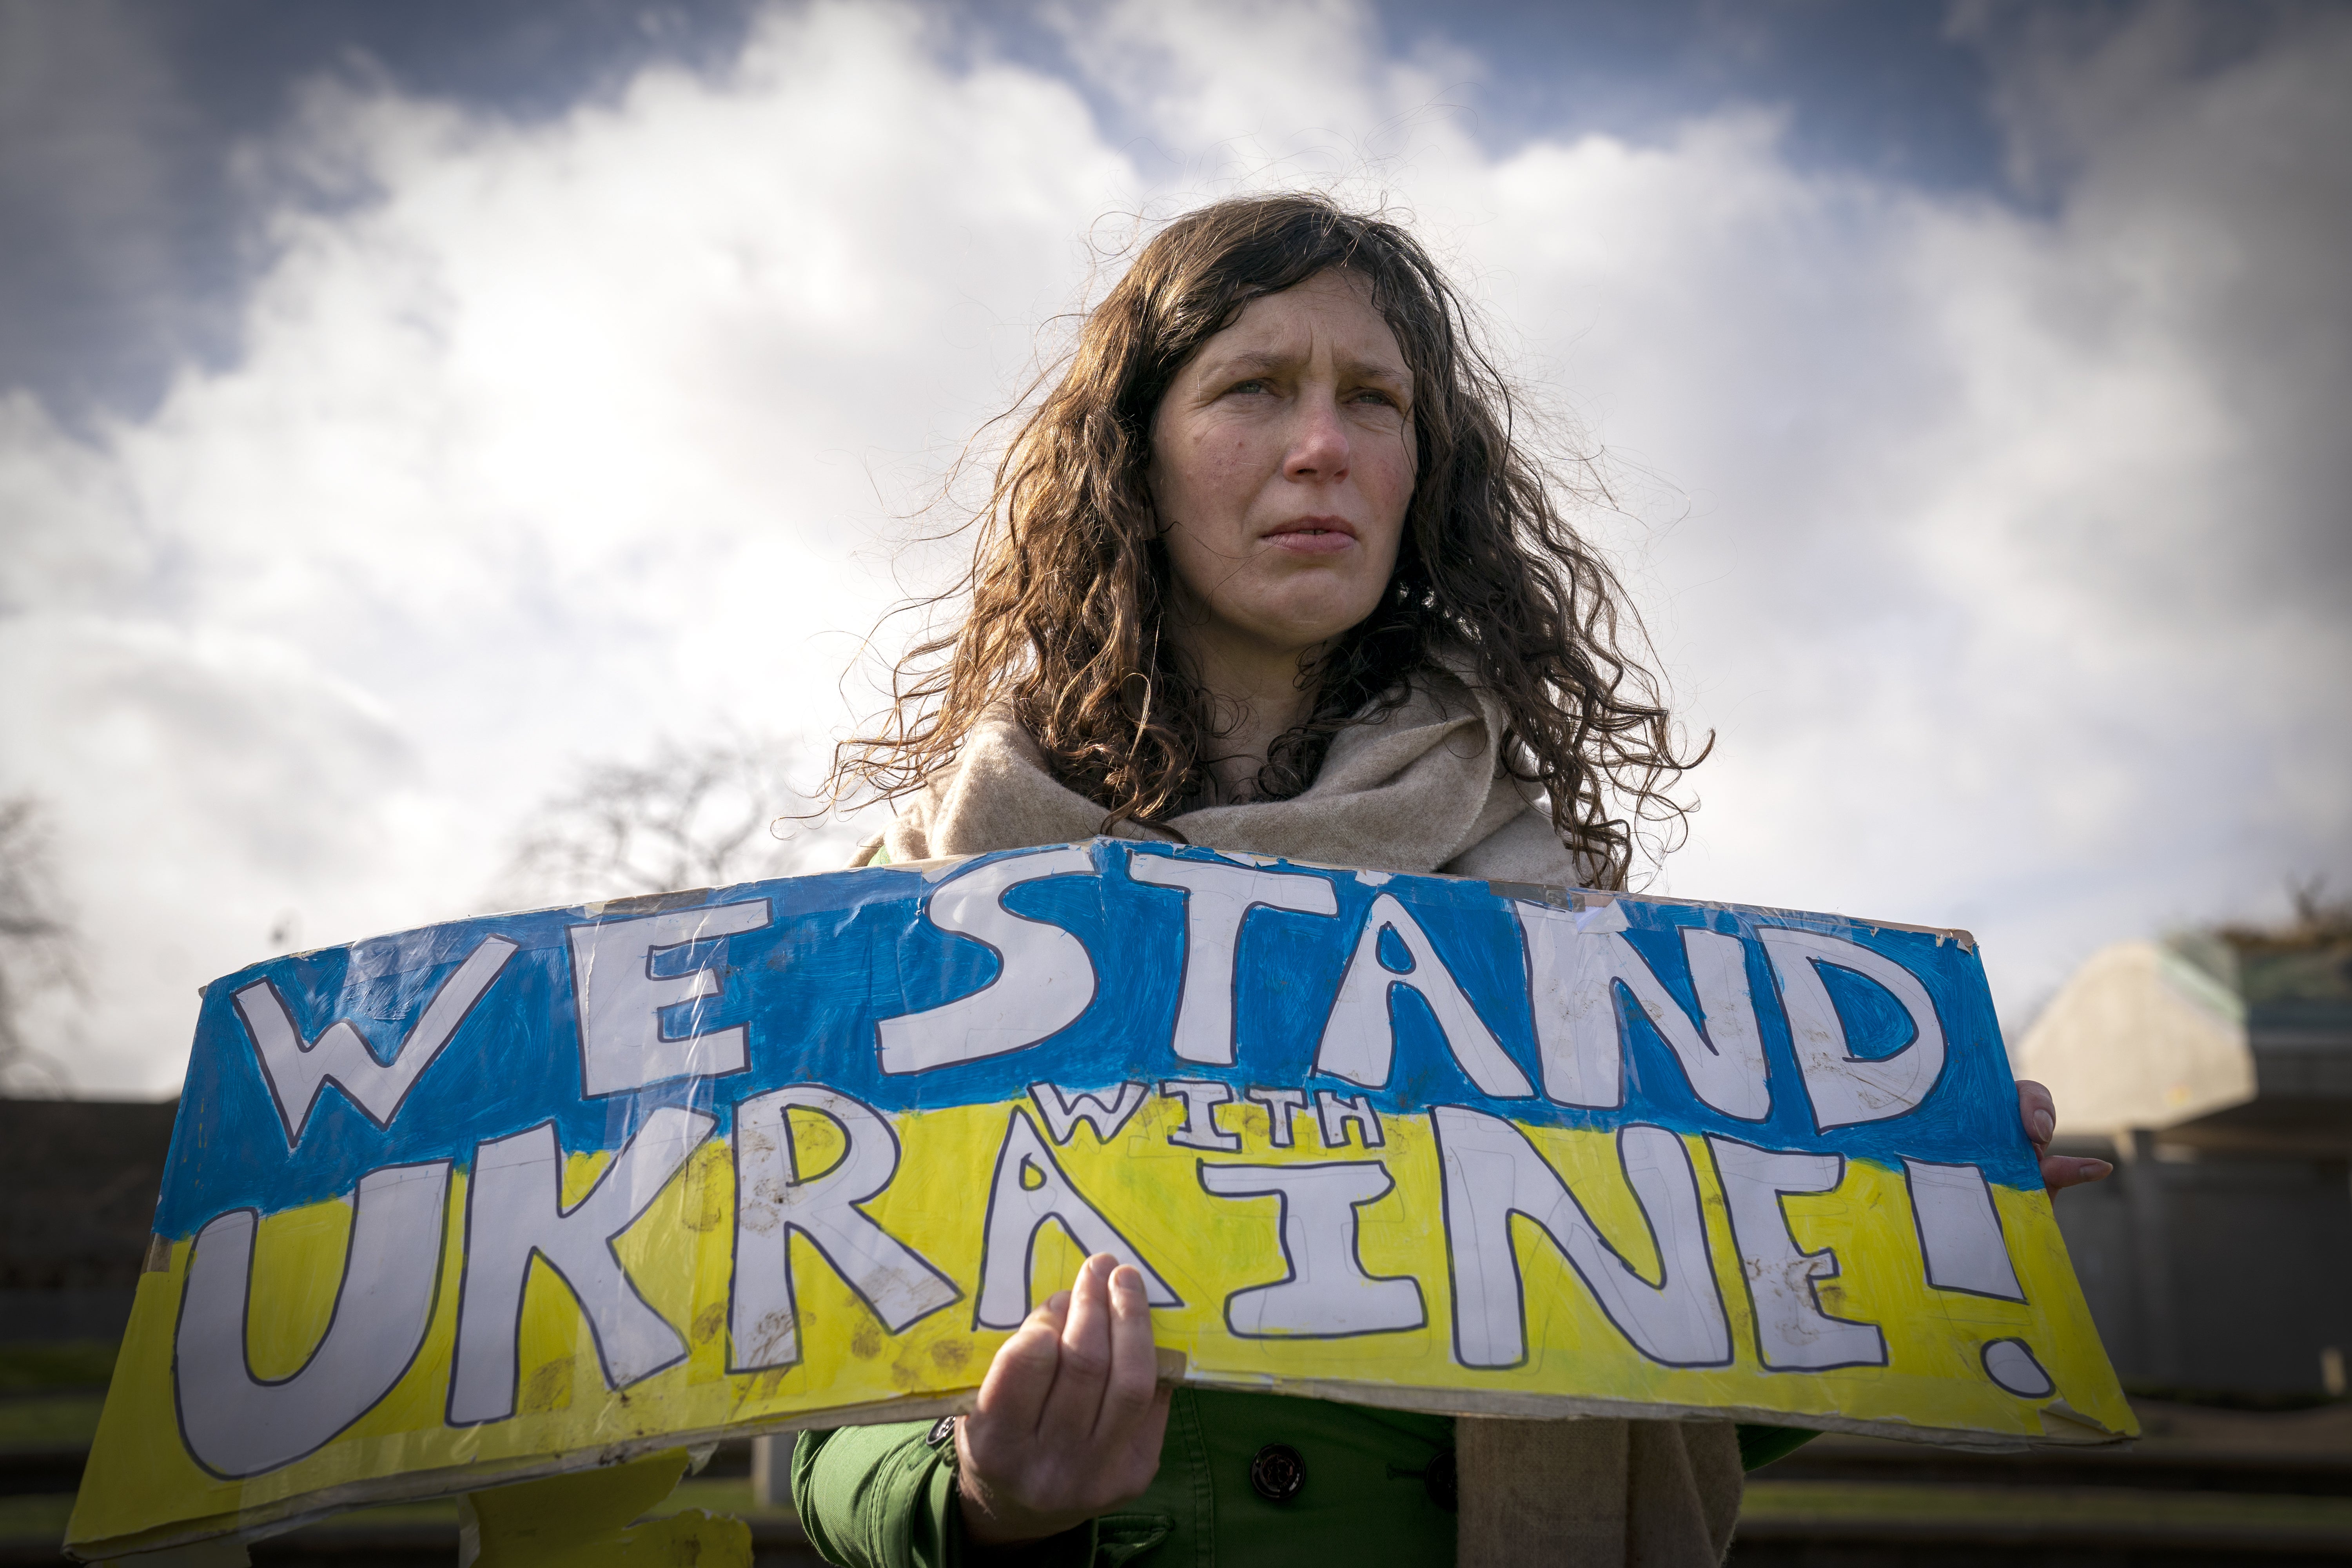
1070,1420
2040,1114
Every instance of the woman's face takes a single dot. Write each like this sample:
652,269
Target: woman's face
1282,464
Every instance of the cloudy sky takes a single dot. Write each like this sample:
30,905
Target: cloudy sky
405,408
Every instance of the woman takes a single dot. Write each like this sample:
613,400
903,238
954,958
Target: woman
1265,572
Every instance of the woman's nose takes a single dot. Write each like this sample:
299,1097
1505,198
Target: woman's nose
1318,440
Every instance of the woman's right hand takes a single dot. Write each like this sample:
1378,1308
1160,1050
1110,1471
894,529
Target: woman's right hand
1070,1416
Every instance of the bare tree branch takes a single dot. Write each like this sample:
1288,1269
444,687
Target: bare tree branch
40,944
690,816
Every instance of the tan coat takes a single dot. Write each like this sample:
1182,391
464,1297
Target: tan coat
1419,790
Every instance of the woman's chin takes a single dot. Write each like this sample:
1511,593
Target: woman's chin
1313,604
1293,631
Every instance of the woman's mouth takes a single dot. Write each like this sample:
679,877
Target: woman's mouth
1312,535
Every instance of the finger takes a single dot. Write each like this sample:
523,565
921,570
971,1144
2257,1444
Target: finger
1021,1377
2037,1111
1134,1370
2061,1170
1134,1450
1138,1450
1071,1408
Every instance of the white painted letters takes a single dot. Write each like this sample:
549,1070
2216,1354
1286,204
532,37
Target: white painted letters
1065,1110
1573,972
2010,1365
772,1200
1325,1294
1283,1109
1845,1089
515,1210
237,1425
1047,982
1959,1230
1359,1043
1015,1214
622,1044
1332,1114
1492,1172
299,1072
1201,1096
1792,1332
1218,897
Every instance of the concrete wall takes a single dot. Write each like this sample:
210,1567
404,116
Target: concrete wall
2227,1272
79,1181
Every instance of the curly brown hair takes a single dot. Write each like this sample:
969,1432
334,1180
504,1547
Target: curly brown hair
1070,579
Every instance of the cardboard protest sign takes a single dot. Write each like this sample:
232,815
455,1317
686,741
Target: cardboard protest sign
530,1192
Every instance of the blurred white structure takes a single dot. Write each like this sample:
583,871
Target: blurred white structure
2140,1037
2210,1040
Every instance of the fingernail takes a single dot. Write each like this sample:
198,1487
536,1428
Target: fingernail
1126,1277
2096,1170
2045,1124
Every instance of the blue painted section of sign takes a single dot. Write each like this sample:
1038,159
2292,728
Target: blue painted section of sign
848,949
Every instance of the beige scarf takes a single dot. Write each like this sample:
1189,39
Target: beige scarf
1417,790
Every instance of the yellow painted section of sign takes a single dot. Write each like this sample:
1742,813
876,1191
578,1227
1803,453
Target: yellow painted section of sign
679,1255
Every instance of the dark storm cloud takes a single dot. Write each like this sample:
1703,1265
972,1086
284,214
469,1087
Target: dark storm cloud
130,208
129,129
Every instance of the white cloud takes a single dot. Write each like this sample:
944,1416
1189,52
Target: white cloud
2068,499
544,443
2007,573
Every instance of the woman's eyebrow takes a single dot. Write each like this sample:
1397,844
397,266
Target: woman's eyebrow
1259,362
1380,370
1247,362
